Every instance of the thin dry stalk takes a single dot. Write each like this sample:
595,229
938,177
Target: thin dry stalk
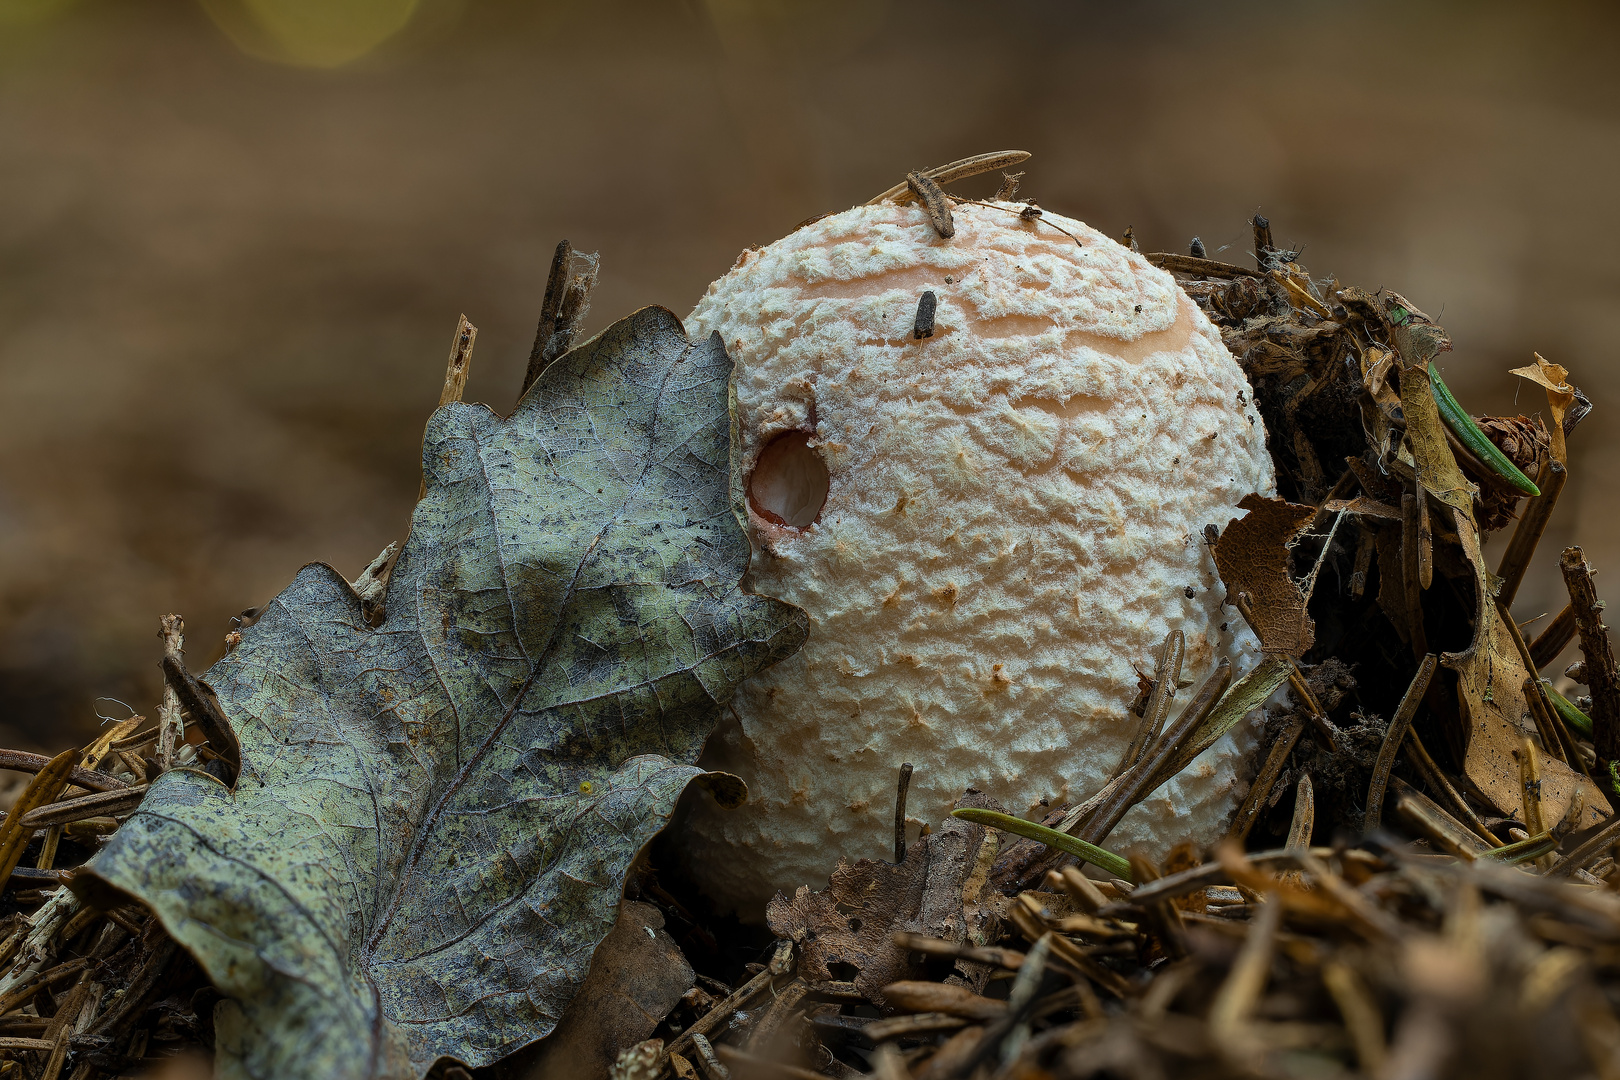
1530,782
563,310
1410,573
1234,1003
1304,822
459,365
1425,817
1398,727
900,813
171,725
957,170
1143,777
1532,523
456,370
1260,790
1418,755
22,761
1362,1018
1588,851
1554,639
1602,675
1555,735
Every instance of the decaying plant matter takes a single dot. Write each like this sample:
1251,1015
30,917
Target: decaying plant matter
1418,883
1421,881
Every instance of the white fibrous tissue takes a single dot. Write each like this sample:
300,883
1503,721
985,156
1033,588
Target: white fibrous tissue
992,529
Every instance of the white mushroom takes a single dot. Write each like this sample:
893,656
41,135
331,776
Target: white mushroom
991,528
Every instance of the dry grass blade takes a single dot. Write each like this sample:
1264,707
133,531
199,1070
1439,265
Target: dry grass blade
86,806
1143,777
783,1004
1360,1011
1166,674
22,761
142,987
1455,804
1371,919
1590,849
1010,959
914,996
900,813
1080,889
550,306
1260,790
932,196
976,165
1530,781
765,1067
459,365
1393,736
723,1011
25,992
1192,264
1537,512
1313,708
567,300
1304,823
713,1068
44,788
1161,917
456,370
1235,1001
102,745
900,1027
1427,819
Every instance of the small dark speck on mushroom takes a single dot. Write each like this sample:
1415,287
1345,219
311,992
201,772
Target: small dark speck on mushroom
923,327
1190,591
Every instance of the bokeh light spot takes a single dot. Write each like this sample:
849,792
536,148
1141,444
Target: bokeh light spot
309,33
25,12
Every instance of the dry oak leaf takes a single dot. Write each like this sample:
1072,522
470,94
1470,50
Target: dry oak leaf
1490,686
846,931
1252,557
434,818
637,977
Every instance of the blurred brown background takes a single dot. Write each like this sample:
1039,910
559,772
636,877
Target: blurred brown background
235,235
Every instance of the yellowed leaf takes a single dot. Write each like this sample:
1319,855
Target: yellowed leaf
1419,341
1553,378
1490,685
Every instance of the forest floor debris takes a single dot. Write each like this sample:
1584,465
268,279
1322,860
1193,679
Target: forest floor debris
1422,881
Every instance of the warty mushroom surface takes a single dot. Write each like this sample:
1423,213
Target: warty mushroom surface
992,528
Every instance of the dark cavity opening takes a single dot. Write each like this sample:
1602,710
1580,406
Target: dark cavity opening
789,483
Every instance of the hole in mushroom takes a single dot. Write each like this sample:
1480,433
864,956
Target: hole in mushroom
789,483
843,971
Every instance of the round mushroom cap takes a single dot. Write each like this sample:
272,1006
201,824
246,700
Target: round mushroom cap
992,529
